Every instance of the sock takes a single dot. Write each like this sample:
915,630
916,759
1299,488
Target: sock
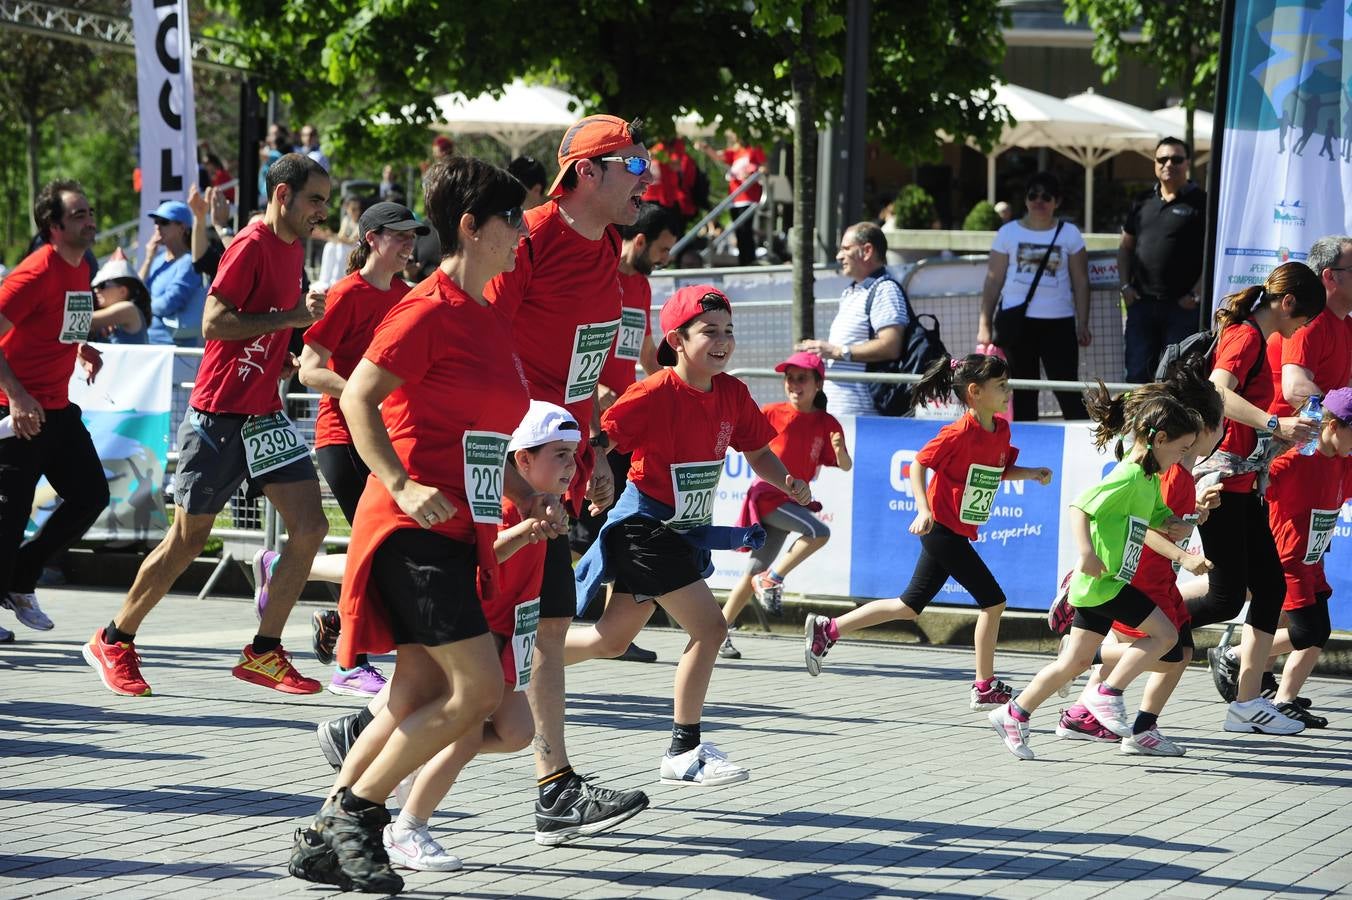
551,786
263,645
112,635
364,718
362,660
1098,657
407,822
832,630
774,576
1018,712
351,803
683,738
983,686
1107,691
1144,722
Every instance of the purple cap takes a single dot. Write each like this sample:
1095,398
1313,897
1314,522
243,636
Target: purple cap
1339,404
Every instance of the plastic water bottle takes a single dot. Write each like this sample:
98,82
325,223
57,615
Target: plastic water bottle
1313,409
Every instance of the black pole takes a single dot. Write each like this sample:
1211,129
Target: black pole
250,136
1213,166
854,120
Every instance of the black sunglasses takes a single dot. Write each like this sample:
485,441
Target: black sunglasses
1176,160
1040,197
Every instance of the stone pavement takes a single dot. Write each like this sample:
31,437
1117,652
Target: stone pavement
871,780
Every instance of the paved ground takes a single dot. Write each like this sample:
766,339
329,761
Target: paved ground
872,780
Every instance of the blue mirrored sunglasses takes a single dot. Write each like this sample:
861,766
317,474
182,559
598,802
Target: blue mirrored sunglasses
513,217
634,165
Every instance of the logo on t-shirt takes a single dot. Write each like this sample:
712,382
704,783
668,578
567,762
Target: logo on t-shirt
255,354
724,438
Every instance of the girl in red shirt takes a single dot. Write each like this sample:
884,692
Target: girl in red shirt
808,439
679,424
968,458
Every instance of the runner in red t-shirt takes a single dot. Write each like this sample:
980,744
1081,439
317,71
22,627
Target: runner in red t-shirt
679,425
807,438
969,459
742,162
46,306
235,430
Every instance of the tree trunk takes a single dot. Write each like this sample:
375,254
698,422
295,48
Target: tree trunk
803,80
31,146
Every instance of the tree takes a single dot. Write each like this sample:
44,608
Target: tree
1181,41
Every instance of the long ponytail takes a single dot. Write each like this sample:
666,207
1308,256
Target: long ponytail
948,377
357,258
1294,278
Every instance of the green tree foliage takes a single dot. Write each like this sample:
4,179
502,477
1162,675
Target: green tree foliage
981,217
914,208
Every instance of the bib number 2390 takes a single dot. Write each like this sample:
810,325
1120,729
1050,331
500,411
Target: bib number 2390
591,346
694,485
485,454
979,494
1131,553
271,442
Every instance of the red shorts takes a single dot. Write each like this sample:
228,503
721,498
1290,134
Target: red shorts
1303,583
1174,607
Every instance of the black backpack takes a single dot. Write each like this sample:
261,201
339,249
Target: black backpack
920,346
1202,346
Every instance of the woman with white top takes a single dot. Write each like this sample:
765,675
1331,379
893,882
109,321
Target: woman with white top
1056,317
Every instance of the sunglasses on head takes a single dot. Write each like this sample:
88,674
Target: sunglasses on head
1176,160
634,165
1040,197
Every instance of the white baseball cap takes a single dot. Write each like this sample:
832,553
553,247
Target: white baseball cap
545,423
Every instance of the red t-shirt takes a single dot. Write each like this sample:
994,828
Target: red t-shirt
34,298
1325,348
459,374
1240,347
675,172
636,295
259,273
519,577
741,163
803,442
1297,486
951,454
663,421
353,309
1156,576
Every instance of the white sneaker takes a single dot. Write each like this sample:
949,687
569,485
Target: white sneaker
1013,732
1259,716
417,850
1150,743
703,766
27,611
1111,711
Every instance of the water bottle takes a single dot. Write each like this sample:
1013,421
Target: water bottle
1313,409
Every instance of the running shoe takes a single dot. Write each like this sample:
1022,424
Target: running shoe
1301,714
1013,732
312,860
336,737
262,573
583,809
1224,673
1259,716
1084,727
324,627
1150,743
357,841
6,636
815,642
118,665
273,670
769,593
1110,710
728,651
360,681
635,653
997,695
702,766
26,610
417,850
1060,614
1269,690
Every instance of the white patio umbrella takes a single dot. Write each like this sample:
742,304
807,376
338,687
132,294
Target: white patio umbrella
1202,123
523,113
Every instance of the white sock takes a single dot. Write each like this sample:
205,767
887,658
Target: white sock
408,823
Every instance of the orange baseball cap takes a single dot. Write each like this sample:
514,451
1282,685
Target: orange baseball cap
591,137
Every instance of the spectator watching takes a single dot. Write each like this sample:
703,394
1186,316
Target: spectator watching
177,294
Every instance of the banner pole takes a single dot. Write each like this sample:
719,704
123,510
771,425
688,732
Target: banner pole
1213,166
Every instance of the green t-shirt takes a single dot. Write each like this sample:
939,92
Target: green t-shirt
1120,509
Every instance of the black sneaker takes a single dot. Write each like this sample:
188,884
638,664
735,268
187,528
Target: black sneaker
324,628
358,845
336,737
1269,690
635,653
1302,715
312,860
1224,673
582,810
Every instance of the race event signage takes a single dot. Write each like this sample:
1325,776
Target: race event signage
164,99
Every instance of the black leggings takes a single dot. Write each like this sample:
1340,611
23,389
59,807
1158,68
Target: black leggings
1238,540
1310,625
1054,343
345,474
943,555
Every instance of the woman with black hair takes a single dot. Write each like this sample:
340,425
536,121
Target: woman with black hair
121,305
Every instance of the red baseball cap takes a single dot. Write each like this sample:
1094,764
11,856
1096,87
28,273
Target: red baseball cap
680,308
804,360
588,138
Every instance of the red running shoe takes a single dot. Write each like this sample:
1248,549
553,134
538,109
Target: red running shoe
118,665
273,670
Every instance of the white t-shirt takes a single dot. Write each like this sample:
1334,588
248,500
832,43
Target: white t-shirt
850,326
1025,248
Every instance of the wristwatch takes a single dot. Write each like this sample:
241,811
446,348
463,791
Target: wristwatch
602,440
845,353
1272,423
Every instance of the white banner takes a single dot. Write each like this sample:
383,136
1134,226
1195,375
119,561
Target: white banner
164,97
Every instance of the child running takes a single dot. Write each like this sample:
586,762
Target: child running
1305,497
808,439
655,543
969,459
1113,522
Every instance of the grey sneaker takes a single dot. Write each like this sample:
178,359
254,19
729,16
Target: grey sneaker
356,839
728,651
27,611
336,737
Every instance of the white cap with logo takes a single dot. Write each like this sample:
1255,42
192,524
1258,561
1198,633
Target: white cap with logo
545,423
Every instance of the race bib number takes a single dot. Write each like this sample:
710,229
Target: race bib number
78,317
527,619
694,485
629,340
979,494
1191,519
485,454
591,346
1131,554
271,442
1321,532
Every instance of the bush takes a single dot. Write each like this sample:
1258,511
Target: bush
914,208
982,217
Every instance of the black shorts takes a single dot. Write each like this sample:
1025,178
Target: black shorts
211,464
558,590
345,473
1175,653
1130,607
649,559
427,584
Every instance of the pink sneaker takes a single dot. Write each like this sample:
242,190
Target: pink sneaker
1083,727
993,697
362,681
262,572
1013,732
815,642
1060,614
